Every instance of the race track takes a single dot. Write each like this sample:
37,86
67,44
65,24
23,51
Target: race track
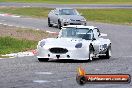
27,72
90,6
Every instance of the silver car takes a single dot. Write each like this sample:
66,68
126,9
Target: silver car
65,16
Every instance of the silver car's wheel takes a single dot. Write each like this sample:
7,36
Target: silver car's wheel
43,59
85,24
49,24
59,24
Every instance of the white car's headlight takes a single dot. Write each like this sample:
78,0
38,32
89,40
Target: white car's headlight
42,43
78,45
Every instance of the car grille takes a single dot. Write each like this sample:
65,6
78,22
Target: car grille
75,20
58,50
75,23
78,20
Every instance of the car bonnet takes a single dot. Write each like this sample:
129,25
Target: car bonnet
63,42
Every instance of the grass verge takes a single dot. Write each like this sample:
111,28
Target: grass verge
75,1
33,12
14,39
10,45
115,16
118,16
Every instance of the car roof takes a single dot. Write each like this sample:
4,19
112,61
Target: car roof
79,26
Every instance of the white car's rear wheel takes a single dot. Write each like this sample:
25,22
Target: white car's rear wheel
43,59
91,53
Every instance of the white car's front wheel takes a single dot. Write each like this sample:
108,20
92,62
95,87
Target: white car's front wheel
108,52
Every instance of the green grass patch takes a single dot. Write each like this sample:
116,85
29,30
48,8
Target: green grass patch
12,45
75,1
33,12
119,16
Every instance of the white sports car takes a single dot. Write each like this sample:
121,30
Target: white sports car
76,42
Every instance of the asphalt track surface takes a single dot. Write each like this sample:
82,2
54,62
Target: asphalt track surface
90,6
26,22
28,72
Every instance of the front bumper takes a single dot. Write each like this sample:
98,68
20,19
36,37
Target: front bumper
75,54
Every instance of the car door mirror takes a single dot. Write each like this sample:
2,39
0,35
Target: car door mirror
102,35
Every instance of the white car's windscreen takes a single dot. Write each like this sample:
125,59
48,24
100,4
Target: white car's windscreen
83,33
68,12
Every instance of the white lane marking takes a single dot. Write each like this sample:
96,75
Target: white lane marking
41,81
5,24
26,6
6,58
20,26
27,27
45,81
15,16
10,25
97,69
37,29
9,15
20,54
51,32
1,14
44,73
13,25
59,80
1,58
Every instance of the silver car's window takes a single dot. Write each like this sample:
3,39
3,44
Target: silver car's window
68,12
83,33
56,11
